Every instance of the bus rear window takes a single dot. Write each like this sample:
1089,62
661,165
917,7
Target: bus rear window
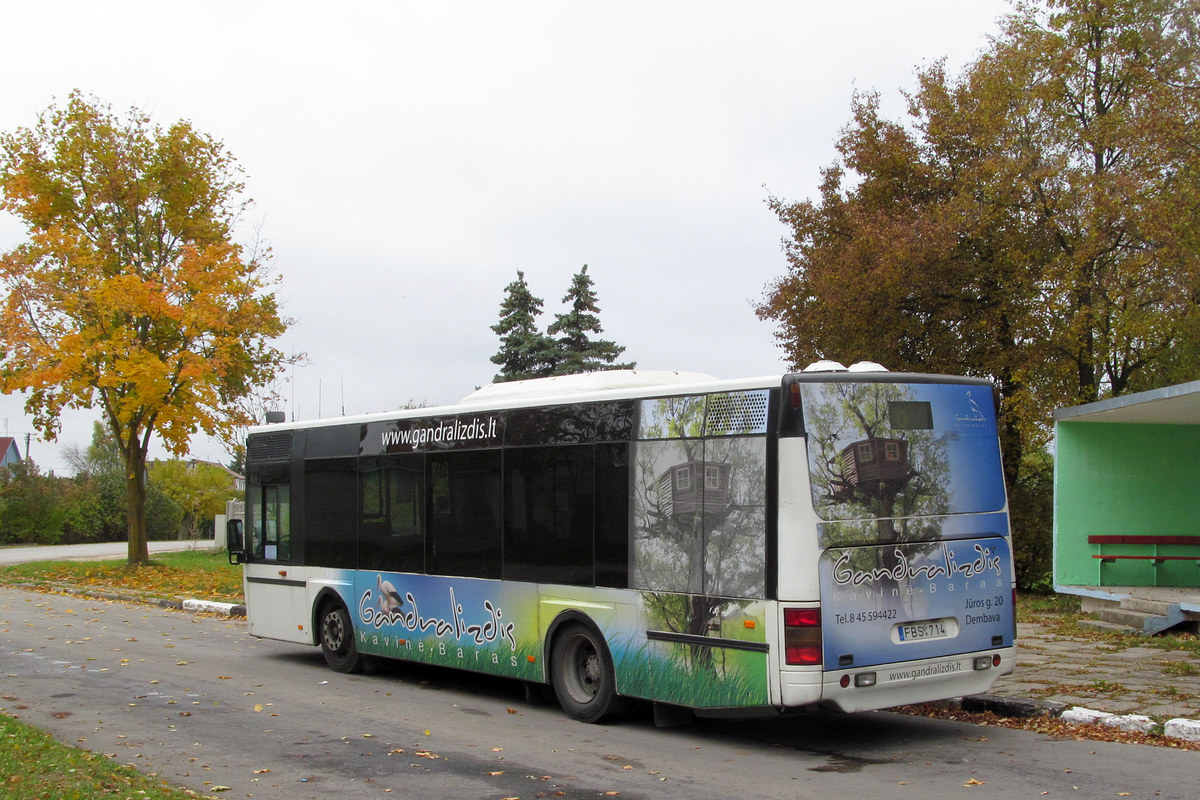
882,450
909,416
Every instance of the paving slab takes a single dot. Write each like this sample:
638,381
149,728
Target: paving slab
1076,671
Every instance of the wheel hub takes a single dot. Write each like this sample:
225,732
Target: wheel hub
333,632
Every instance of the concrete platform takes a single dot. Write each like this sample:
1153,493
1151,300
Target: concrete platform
1186,597
1148,610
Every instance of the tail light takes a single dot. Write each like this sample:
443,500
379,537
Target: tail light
802,636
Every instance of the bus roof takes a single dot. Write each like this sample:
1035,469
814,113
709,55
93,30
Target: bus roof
555,390
620,384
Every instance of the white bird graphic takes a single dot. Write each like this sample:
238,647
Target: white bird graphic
389,599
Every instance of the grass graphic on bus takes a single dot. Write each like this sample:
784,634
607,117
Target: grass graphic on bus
703,675
667,676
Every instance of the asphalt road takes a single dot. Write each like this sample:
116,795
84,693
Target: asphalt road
195,700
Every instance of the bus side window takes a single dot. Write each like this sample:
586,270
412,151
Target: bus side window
390,528
404,494
464,532
549,515
612,515
330,501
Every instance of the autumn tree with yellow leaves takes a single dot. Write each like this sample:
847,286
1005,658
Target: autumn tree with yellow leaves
129,295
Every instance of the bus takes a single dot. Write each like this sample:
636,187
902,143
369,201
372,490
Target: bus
836,537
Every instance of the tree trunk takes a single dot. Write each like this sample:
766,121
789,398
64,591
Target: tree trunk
1012,442
135,490
700,609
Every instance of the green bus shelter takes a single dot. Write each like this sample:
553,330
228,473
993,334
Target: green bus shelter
1127,492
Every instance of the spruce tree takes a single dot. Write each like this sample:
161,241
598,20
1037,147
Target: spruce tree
525,352
576,351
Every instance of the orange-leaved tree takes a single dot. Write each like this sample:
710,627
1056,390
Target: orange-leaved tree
128,294
1036,220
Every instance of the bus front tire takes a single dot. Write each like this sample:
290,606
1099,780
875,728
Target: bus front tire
337,640
583,677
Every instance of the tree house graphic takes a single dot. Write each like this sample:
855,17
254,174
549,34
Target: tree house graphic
876,467
694,488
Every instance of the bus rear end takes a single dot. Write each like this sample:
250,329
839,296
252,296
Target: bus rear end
894,555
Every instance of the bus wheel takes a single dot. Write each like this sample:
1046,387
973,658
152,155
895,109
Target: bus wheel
582,673
337,639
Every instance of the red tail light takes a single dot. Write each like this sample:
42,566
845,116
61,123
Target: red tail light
802,636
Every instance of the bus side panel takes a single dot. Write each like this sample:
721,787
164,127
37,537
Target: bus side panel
277,603
613,613
798,580
468,623
719,664
722,666
885,604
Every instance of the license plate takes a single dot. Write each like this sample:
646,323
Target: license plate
930,629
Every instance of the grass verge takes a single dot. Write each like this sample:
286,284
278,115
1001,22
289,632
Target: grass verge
1036,607
205,575
35,766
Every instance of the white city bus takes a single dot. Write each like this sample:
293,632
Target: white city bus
836,537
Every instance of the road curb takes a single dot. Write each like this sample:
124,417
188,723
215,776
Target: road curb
213,607
195,606
1181,728
1022,707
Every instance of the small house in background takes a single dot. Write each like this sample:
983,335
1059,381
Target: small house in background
1127,507
236,480
9,454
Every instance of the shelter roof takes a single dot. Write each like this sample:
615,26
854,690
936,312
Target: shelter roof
1171,405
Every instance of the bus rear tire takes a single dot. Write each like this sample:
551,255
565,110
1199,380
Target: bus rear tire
581,671
337,639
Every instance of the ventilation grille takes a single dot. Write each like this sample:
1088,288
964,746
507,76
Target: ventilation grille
736,413
269,447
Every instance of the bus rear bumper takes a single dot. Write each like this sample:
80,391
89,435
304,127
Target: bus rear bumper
904,683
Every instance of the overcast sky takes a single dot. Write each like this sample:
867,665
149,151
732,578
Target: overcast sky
406,159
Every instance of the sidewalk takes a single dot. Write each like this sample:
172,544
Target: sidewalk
94,552
1094,674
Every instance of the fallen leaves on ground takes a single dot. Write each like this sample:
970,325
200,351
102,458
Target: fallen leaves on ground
191,574
1048,726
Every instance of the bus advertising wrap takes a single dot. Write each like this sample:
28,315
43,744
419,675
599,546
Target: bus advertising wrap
496,627
906,601
472,624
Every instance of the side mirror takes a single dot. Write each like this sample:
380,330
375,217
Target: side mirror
235,543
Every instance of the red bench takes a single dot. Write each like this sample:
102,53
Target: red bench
1155,541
